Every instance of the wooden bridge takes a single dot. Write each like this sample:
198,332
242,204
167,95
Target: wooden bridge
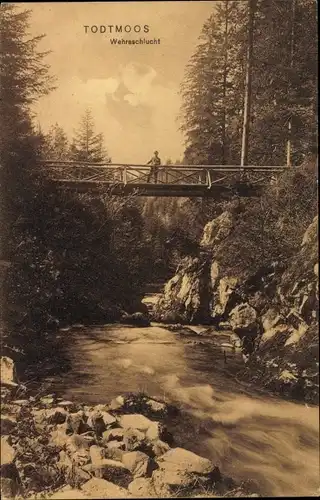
218,181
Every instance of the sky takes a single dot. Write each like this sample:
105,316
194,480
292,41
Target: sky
132,90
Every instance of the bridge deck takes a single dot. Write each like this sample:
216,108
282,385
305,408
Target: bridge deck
174,180
179,190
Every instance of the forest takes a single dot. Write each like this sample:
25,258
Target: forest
72,252
133,405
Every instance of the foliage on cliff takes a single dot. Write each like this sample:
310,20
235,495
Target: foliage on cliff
269,230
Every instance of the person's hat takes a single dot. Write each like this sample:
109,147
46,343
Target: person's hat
156,153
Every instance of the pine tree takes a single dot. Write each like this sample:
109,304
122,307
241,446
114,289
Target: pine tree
212,103
24,78
87,145
56,144
284,80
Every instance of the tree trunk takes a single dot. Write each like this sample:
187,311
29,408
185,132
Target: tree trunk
225,73
248,83
289,137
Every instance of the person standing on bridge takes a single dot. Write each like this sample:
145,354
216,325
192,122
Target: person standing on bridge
155,162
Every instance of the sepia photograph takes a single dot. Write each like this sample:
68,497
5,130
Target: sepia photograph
159,249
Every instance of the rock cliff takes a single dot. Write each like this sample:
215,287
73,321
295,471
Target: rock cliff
273,309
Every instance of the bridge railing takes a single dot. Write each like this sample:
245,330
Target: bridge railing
112,173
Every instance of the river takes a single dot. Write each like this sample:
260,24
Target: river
249,435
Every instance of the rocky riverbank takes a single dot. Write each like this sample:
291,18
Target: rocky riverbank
272,304
52,448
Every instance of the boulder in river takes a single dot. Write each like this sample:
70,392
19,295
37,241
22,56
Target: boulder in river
181,470
188,462
144,405
243,319
135,421
135,319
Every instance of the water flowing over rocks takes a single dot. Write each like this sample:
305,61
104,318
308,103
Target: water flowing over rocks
273,310
64,452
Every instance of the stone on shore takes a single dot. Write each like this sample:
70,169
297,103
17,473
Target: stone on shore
108,419
78,442
76,422
68,405
100,488
111,470
135,440
10,481
186,461
115,434
7,424
142,487
7,372
56,416
127,461
114,450
160,448
135,421
7,452
96,423
181,470
157,431
69,494
138,463
97,454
